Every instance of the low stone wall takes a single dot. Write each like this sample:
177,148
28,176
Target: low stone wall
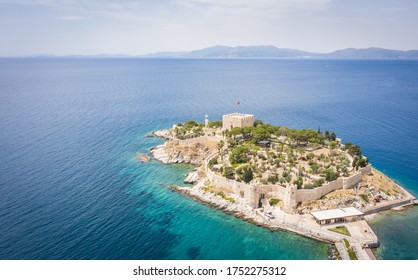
389,205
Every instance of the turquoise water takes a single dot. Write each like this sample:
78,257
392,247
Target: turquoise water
71,188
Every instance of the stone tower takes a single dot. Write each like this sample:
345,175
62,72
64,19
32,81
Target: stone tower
290,198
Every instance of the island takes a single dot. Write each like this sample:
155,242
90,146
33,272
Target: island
300,180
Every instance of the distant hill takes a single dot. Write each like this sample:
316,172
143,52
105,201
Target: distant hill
237,52
373,53
274,52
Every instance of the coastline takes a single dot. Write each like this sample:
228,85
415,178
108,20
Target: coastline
240,210
301,224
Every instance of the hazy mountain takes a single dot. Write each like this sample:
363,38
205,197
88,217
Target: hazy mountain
373,53
166,54
251,51
237,52
274,52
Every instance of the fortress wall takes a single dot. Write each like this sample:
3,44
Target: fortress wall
199,139
272,191
234,186
366,170
252,193
340,183
316,193
352,181
247,121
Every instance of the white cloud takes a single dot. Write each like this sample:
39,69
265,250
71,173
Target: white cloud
280,6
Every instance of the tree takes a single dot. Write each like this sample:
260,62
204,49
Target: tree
352,149
314,168
246,173
331,175
258,122
247,132
190,124
239,155
220,145
260,133
212,162
359,162
298,182
229,172
288,178
235,131
273,179
215,124
332,145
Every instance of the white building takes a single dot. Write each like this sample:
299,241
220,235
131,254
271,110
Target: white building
337,215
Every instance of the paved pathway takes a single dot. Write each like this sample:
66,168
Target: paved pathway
361,232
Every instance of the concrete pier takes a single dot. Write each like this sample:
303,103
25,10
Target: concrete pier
362,236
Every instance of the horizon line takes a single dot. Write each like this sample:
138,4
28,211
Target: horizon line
148,55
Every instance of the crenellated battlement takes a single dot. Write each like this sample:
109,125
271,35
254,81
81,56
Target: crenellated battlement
230,121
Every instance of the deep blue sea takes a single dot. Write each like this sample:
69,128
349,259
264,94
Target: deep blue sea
71,188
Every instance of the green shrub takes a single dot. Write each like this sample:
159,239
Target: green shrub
215,124
229,172
213,161
273,179
364,197
350,250
274,201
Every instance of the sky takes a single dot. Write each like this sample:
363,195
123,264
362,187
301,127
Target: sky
136,27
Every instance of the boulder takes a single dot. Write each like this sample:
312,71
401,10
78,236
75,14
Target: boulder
191,178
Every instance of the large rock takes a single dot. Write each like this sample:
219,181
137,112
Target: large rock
166,134
159,154
192,178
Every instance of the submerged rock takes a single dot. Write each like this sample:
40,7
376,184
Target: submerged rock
166,134
143,157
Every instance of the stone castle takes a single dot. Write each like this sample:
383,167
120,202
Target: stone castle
230,121
289,193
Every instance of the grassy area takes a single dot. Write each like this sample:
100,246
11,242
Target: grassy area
221,194
341,230
274,201
224,196
350,251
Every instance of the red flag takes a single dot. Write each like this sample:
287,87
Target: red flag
238,102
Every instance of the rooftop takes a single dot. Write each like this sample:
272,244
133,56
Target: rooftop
336,213
239,115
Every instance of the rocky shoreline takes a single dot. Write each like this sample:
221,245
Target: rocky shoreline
238,209
196,152
177,151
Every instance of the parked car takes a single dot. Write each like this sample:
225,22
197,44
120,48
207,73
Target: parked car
268,214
